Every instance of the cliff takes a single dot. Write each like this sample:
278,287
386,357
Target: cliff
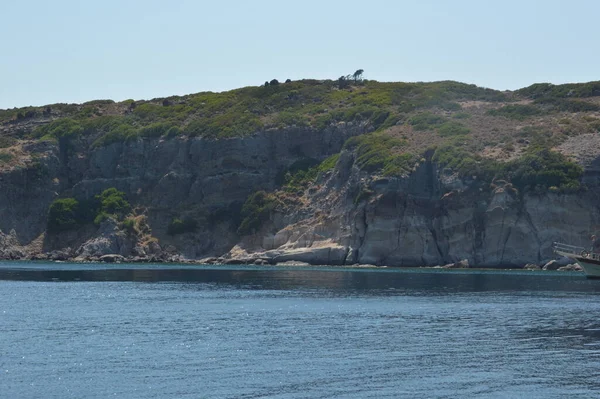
423,219
384,174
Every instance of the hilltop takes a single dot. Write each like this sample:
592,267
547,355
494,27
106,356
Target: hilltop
288,157
422,116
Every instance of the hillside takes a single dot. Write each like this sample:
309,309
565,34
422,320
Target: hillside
320,171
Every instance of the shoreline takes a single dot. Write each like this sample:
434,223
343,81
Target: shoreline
289,264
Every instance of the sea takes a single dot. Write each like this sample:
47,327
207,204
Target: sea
180,331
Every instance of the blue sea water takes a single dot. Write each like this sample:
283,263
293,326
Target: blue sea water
158,331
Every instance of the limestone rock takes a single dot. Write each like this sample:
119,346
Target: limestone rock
462,264
555,264
112,258
208,261
330,255
574,267
9,246
108,240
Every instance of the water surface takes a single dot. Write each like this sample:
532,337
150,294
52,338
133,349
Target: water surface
155,331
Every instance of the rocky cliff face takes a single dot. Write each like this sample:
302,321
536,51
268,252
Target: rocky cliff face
427,218
188,177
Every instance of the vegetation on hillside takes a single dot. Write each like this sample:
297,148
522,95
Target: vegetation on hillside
69,213
573,90
255,211
537,171
432,111
305,103
378,152
516,111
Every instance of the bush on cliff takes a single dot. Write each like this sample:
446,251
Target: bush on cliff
255,211
61,128
536,171
379,152
64,214
516,111
426,121
544,169
567,105
69,213
304,172
111,203
452,128
574,90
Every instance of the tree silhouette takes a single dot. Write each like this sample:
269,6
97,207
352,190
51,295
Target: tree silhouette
343,82
358,75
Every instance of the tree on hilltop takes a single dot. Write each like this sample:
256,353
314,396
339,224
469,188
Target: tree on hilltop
343,82
358,75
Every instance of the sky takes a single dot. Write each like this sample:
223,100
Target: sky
81,50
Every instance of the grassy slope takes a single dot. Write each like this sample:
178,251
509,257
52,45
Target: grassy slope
470,129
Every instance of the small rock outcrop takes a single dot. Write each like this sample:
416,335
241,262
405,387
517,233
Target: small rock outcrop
555,264
10,247
108,240
112,258
574,267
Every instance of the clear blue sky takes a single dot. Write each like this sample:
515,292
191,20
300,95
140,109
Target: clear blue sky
80,50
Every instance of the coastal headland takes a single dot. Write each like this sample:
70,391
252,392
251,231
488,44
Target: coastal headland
324,172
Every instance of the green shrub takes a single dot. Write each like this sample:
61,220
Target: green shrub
256,211
444,95
304,172
63,215
70,213
173,131
539,137
459,159
461,115
101,217
299,174
288,118
516,111
113,202
379,152
155,130
329,163
129,225
536,171
179,226
120,134
64,127
574,90
544,169
426,121
99,102
224,125
452,128
567,105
